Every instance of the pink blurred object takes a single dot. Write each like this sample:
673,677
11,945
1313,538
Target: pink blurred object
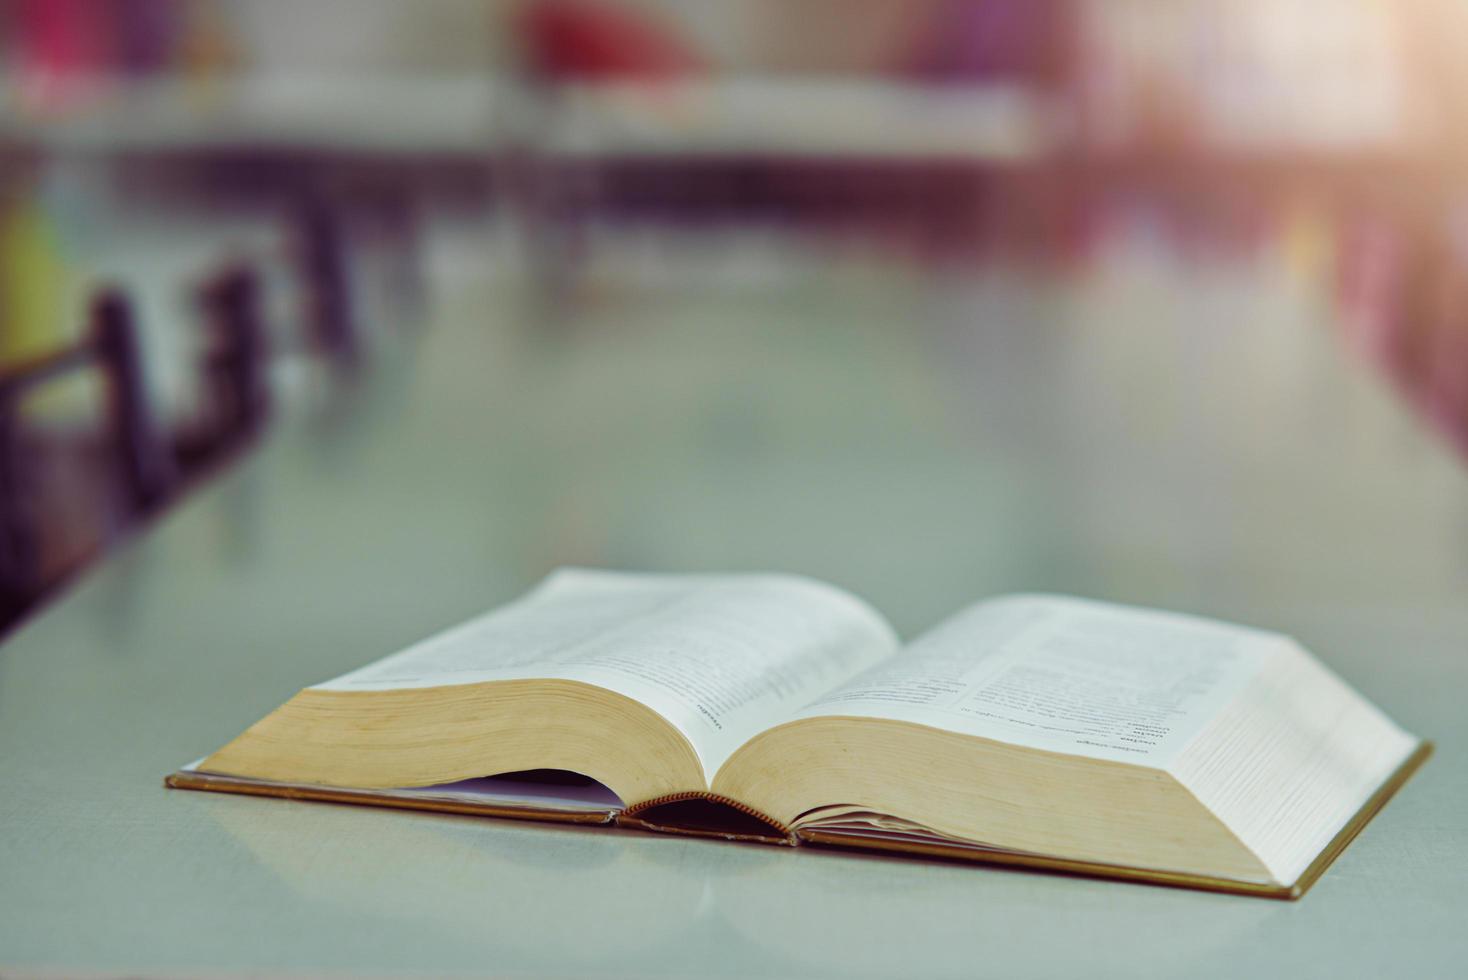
61,48
968,41
68,51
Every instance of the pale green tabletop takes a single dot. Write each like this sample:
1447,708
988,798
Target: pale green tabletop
1197,441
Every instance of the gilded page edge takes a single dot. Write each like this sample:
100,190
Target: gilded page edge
1176,879
186,779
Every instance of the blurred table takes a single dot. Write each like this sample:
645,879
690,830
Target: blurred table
472,116
1192,438
437,115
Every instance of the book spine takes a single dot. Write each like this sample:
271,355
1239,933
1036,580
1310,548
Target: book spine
725,818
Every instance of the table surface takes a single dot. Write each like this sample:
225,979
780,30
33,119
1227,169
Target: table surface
1196,439
470,115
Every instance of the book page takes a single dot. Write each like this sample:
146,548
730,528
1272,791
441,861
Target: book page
720,657
1066,675
511,789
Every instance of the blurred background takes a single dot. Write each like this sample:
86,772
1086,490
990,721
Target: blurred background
1156,300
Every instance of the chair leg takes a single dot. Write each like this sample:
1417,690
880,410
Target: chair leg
19,568
145,467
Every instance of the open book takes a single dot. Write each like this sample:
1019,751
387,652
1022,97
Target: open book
1029,729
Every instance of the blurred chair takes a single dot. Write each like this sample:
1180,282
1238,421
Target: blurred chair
233,370
321,255
134,467
580,45
145,466
634,125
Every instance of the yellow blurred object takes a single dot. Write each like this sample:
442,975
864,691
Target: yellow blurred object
207,51
34,280
1308,242
38,310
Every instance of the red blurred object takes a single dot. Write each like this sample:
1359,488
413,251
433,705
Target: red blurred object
569,39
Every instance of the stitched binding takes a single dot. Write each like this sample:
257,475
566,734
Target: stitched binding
634,811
